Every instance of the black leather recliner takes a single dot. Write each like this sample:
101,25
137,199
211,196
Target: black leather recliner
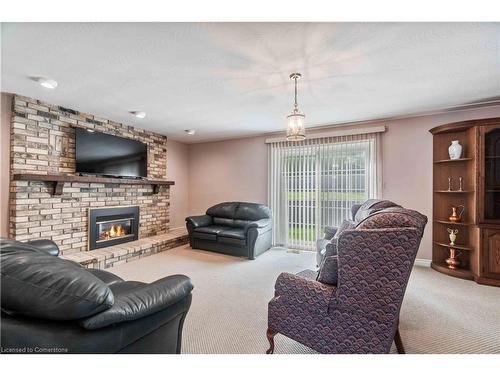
53,305
235,228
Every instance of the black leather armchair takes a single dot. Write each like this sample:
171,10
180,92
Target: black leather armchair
235,228
53,305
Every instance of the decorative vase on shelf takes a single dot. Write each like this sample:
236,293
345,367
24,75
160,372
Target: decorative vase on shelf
456,216
452,261
453,235
455,150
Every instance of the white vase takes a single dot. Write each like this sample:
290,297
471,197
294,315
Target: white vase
455,150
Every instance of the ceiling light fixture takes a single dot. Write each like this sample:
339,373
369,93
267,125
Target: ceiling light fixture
190,131
295,128
138,114
47,82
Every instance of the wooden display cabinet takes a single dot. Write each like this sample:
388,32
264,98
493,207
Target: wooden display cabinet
478,237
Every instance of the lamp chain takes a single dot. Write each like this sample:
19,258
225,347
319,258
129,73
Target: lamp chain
296,105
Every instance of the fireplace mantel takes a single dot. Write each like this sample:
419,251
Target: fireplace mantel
58,180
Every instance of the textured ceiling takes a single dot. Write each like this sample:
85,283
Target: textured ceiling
230,80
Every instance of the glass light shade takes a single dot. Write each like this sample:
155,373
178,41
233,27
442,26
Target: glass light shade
295,128
47,83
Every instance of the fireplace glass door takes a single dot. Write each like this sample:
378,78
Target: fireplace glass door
109,226
113,229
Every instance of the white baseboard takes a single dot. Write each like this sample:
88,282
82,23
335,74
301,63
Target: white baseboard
423,262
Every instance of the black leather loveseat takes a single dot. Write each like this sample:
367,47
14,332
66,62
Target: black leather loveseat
52,305
235,228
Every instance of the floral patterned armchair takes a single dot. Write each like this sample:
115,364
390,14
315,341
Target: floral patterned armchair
352,304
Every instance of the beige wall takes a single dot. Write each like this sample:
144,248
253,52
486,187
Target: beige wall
234,170
178,171
237,169
6,103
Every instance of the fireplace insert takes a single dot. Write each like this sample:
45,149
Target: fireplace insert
112,225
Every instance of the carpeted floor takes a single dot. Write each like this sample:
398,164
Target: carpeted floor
440,314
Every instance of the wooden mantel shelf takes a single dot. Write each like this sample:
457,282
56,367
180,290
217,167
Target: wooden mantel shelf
58,180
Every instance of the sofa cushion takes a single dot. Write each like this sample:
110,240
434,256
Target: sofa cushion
137,300
346,224
105,276
208,233
328,273
238,233
125,286
370,206
331,247
242,223
321,244
205,236
43,286
252,211
231,241
211,229
223,221
330,232
45,246
225,210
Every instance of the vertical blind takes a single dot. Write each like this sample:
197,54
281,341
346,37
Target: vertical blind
314,183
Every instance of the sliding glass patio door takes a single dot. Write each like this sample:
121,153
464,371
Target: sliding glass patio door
314,184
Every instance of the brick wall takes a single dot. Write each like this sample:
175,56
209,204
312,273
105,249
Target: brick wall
42,142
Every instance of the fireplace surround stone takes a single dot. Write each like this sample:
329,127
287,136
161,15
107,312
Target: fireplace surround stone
119,254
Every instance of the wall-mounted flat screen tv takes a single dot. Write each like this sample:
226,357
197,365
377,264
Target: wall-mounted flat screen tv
108,155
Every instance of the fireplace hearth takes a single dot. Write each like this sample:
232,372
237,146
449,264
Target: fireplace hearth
112,225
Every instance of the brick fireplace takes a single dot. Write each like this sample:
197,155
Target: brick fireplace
43,145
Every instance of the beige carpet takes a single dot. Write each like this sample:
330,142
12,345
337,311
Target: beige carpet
440,314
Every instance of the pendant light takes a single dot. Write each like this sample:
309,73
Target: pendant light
295,128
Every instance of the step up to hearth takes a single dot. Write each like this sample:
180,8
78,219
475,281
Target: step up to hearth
114,255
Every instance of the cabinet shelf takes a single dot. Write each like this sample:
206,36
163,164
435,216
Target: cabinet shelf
454,191
452,223
458,247
458,272
452,160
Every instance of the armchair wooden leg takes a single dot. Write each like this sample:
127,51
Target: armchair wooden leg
399,342
270,337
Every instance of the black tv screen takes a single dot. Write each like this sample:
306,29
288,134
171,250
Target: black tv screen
109,155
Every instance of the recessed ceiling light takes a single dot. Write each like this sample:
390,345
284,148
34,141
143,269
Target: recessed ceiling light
90,130
47,82
138,114
190,131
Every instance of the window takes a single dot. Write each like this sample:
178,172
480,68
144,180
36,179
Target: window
313,184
